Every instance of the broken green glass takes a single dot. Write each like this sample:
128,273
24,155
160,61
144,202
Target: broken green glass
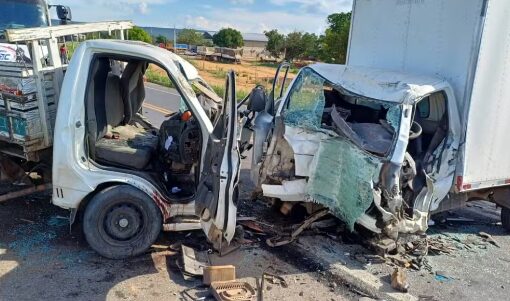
342,179
393,117
306,101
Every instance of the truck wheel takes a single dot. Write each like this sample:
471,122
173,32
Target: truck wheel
121,221
505,218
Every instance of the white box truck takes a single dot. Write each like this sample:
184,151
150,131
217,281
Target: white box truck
415,122
466,43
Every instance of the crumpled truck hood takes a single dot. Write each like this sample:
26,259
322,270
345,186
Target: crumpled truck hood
390,86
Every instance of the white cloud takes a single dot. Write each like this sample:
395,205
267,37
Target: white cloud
317,6
285,15
242,2
143,8
201,22
310,16
258,22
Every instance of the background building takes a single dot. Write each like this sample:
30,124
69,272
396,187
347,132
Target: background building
254,43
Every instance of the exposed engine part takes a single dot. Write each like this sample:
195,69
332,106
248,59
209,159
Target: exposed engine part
407,177
408,172
394,200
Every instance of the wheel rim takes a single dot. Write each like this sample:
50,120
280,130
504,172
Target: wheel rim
123,222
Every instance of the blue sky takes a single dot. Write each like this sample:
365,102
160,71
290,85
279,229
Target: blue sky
245,15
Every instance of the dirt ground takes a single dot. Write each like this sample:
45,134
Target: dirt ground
248,73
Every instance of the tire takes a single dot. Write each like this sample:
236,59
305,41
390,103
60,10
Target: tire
505,218
121,221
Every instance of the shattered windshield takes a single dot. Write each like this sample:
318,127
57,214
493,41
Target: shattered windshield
22,14
317,104
208,99
306,101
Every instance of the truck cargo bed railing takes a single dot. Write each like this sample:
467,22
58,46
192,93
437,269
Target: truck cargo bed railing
42,33
27,116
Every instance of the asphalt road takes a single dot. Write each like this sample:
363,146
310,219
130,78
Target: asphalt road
159,101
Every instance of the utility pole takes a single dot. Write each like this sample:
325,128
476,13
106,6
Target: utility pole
47,10
175,41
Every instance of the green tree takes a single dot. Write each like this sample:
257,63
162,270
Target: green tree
208,43
334,42
138,34
294,45
190,37
275,43
228,37
161,39
310,42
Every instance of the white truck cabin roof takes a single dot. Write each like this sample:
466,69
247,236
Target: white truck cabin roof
385,85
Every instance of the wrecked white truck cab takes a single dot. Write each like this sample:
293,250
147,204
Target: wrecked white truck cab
130,178
420,128
374,146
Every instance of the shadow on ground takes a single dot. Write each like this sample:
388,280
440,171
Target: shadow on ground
41,259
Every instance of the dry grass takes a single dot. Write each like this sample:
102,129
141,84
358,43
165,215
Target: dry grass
248,75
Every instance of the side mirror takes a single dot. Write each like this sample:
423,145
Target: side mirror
258,99
64,13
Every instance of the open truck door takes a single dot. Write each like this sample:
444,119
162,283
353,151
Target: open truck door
278,88
261,118
217,192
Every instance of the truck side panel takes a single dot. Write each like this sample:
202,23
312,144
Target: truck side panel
487,162
433,37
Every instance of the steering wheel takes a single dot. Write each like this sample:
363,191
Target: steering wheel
415,130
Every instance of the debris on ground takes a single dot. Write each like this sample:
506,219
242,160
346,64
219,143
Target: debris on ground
58,221
399,280
287,238
426,298
382,246
232,290
324,224
275,279
440,246
443,276
413,253
488,238
219,273
252,225
193,262
201,292
272,279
